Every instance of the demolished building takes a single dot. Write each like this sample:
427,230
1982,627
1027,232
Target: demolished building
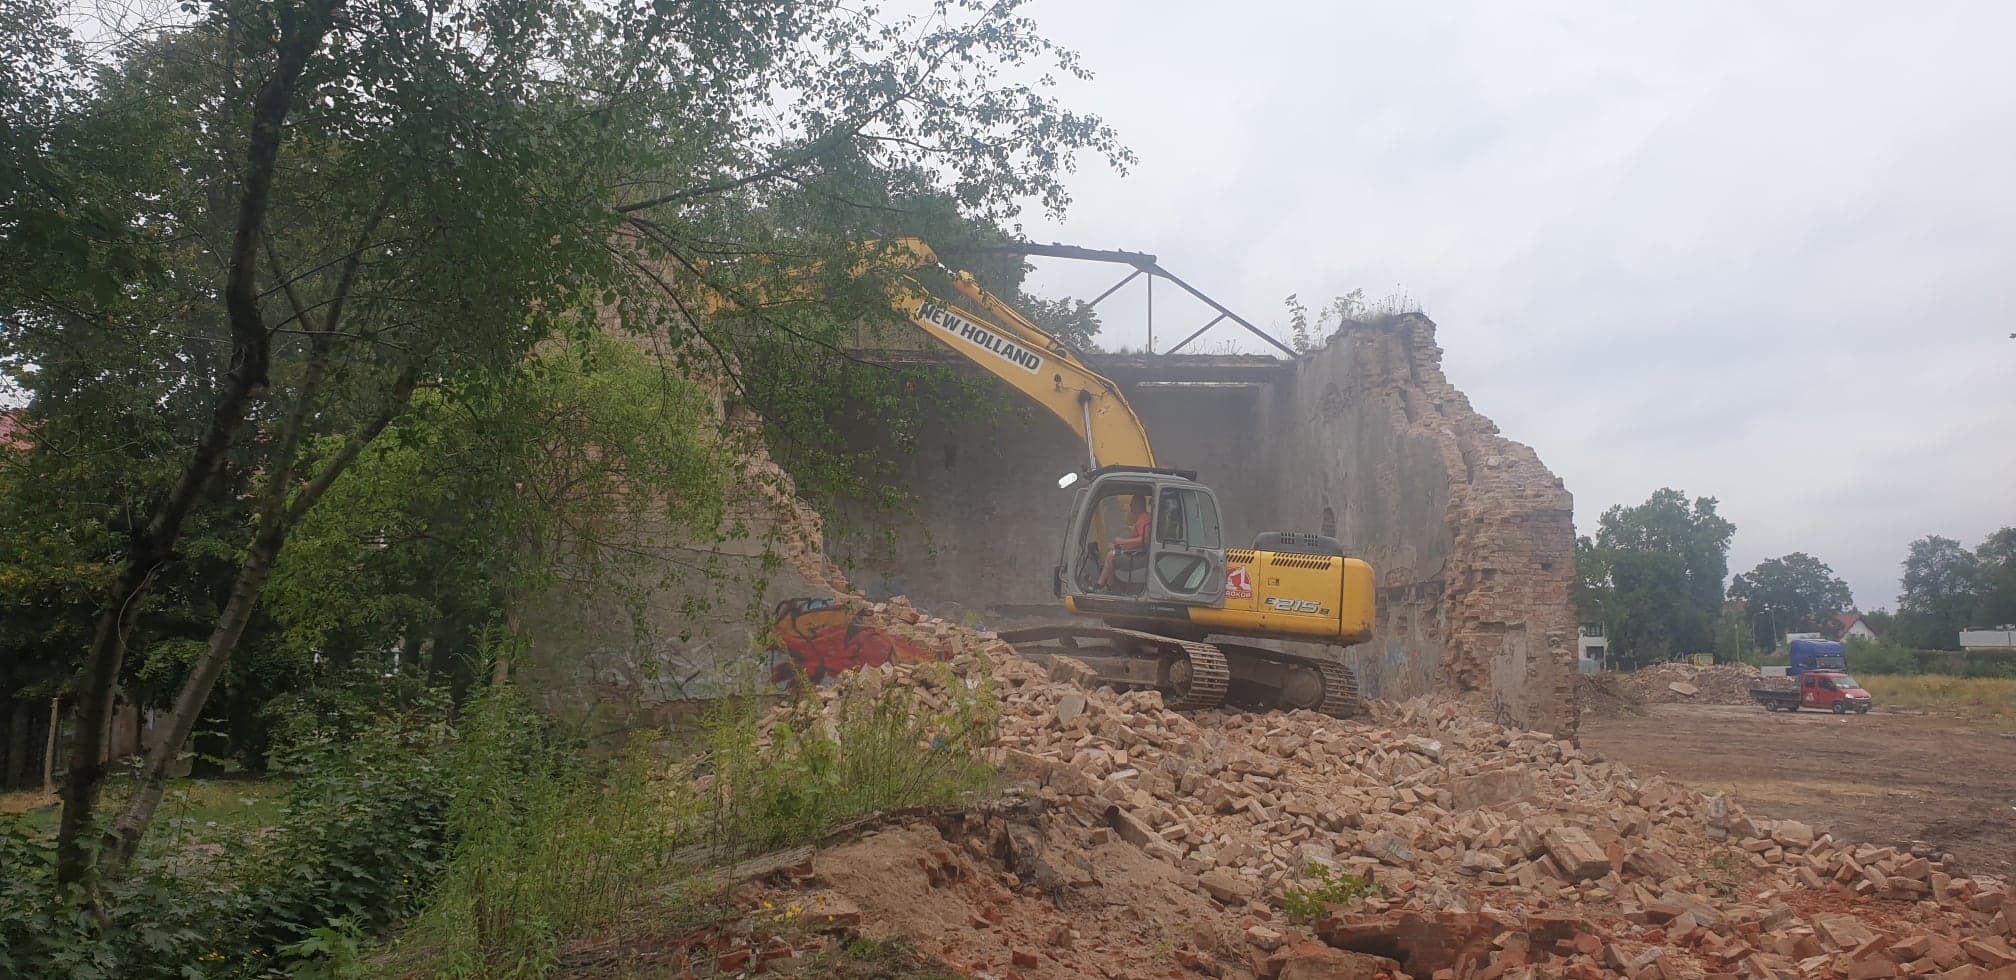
1363,437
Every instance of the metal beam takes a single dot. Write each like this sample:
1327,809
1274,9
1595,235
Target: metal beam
1199,333
1142,262
1139,260
1136,274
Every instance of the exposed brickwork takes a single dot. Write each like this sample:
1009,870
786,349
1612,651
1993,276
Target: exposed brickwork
1491,586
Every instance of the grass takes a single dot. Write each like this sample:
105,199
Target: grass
193,811
547,853
1976,699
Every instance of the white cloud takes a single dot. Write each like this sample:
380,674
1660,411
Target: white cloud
1760,252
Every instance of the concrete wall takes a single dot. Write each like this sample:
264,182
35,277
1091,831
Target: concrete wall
1471,536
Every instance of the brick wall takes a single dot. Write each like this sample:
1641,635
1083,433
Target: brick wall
1472,536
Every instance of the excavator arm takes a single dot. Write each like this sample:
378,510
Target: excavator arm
1009,346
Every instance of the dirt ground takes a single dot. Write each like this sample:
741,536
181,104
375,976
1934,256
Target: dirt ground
1885,778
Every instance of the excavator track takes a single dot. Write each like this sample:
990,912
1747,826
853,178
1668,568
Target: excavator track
1192,676
1195,675
1279,679
1200,678
1340,691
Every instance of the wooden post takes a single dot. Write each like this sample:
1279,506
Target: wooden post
49,752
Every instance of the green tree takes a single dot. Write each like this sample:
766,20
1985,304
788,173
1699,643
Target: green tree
310,212
592,438
1996,605
1073,321
1654,573
1942,584
1796,593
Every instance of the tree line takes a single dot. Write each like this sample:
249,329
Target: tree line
1653,576
332,329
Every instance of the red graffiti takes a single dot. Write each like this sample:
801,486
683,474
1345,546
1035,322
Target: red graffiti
821,640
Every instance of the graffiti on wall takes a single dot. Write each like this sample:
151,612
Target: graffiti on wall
821,639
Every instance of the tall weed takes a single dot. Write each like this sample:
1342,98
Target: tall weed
545,846
549,847
870,749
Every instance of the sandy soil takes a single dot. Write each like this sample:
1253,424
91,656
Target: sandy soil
1885,778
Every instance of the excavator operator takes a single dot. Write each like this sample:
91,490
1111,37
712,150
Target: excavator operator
1131,548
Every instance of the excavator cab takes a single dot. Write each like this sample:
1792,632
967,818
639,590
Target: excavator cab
1183,561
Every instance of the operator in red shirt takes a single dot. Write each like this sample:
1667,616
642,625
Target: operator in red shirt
1134,543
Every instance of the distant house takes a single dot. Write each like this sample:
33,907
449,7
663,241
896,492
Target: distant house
1851,626
1592,648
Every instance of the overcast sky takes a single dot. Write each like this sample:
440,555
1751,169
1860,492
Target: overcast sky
1761,252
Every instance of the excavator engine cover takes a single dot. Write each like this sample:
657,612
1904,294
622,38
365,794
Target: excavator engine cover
1298,543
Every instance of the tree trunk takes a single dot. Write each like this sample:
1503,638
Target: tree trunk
279,516
108,648
154,774
49,749
301,32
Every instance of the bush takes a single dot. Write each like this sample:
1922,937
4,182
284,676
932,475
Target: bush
1884,658
549,847
360,842
1329,886
871,750
495,838
543,848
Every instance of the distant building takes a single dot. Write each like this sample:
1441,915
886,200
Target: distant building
1851,626
1999,638
1592,649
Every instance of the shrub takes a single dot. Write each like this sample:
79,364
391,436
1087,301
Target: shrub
1328,886
1884,658
872,749
548,847
360,841
543,847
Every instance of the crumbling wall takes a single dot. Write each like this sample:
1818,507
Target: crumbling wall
1471,536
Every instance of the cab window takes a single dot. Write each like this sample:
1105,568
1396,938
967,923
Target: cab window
1187,518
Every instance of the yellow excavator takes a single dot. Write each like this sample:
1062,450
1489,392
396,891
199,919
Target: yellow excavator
1183,584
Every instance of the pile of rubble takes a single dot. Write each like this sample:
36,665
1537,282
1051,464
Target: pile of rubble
1496,852
1601,695
1681,682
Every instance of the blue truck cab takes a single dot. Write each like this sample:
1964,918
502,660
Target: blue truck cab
1812,655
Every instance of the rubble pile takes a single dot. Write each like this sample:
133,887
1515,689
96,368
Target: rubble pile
1601,695
1681,682
1541,859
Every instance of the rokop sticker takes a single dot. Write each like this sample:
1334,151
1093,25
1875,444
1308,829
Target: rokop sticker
1238,582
